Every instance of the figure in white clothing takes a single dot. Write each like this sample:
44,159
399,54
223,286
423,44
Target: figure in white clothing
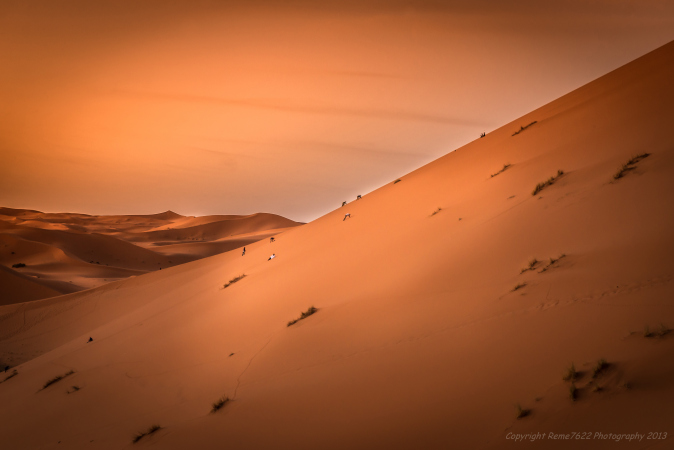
345,216
272,257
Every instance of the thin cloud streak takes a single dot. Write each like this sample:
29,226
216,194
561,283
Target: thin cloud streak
276,105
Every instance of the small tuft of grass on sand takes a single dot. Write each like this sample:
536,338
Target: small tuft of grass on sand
573,392
222,401
56,379
629,165
521,412
234,280
518,287
304,315
436,211
540,186
551,263
142,434
600,367
505,166
396,181
532,265
571,373
11,375
523,128
663,331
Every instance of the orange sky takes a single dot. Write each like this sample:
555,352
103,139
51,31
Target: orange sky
238,107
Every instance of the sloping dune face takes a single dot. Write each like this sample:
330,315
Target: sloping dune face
445,299
67,253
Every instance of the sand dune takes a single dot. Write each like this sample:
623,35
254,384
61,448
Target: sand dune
72,252
446,298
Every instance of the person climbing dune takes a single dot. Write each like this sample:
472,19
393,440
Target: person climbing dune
272,257
244,252
345,216
90,339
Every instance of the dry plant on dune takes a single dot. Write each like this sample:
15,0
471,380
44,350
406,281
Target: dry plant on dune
523,128
540,186
521,412
532,265
600,367
629,165
304,315
142,434
663,331
505,166
56,379
552,262
11,375
571,373
222,401
234,280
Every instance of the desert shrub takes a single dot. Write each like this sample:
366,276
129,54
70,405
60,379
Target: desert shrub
571,373
629,165
142,434
234,280
11,375
304,315
505,166
222,401
56,379
521,412
532,265
523,128
600,367
540,186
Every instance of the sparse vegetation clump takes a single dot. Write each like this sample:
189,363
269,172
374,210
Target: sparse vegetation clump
571,373
600,367
56,379
222,401
540,186
519,286
142,434
304,315
234,280
505,166
629,165
523,128
663,331
11,375
521,412
18,265
532,265
552,262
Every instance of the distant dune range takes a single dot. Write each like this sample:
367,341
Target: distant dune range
523,283
46,254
